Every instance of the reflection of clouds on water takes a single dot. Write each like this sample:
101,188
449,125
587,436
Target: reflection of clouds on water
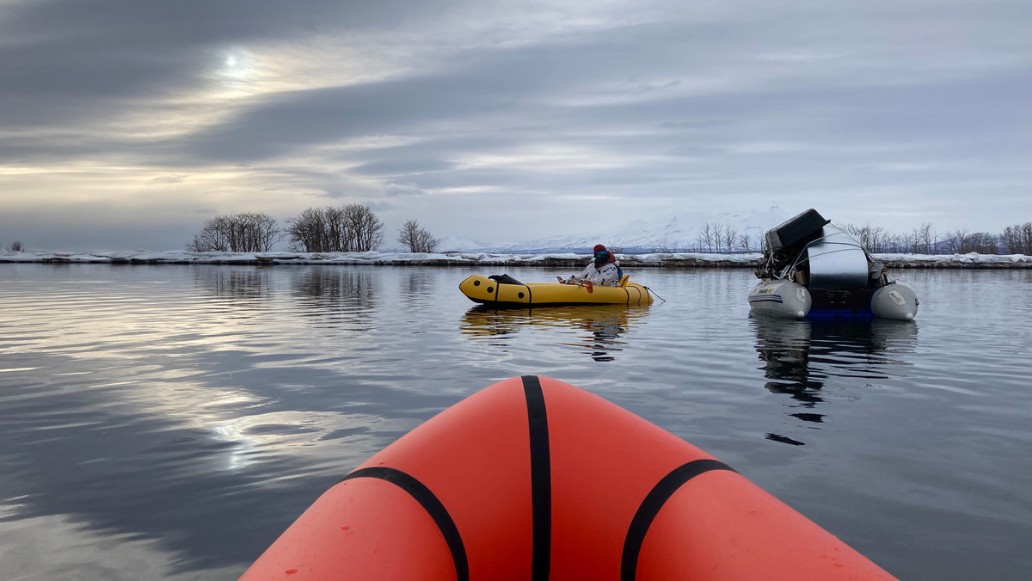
800,358
295,432
30,545
179,395
599,327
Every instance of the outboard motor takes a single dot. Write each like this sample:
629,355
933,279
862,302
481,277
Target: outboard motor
783,243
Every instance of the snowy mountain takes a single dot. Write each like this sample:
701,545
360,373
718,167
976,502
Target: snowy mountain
679,233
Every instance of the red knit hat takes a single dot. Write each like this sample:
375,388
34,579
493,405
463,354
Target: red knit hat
599,248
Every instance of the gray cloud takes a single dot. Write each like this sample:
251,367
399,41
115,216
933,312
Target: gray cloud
910,108
403,189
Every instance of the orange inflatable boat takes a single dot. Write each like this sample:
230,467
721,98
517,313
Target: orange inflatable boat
533,478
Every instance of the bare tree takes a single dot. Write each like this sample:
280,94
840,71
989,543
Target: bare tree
350,228
720,238
428,242
980,242
214,236
258,232
870,237
924,239
667,245
307,231
894,243
954,241
861,233
409,235
337,235
1018,239
16,246
417,238
707,237
244,232
365,226
729,238
743,243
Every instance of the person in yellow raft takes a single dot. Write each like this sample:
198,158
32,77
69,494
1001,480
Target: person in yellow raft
603,270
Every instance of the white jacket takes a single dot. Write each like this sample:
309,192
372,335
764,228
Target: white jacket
607,275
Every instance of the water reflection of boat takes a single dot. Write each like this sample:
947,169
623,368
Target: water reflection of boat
814,269
602,324
799,356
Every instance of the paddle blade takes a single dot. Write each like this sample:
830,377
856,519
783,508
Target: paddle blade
590,286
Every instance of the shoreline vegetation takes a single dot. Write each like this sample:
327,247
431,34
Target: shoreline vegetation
683,260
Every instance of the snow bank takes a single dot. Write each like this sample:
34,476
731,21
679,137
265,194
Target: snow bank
675,259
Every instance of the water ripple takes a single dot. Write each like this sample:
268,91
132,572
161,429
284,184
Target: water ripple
187,414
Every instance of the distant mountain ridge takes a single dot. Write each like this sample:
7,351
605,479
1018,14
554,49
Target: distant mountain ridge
678,234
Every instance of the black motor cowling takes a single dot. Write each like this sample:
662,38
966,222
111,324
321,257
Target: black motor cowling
784,242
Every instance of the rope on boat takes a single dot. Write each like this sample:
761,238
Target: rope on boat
654,293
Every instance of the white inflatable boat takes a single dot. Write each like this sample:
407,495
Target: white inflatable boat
813,269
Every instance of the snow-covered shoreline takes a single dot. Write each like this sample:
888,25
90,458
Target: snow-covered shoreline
473,258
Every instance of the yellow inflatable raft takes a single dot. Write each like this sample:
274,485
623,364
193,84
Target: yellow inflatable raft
507,292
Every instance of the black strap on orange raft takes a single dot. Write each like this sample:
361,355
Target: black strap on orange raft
541,487
433,506
540,477
651,506
541,490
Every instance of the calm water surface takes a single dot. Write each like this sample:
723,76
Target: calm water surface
168,422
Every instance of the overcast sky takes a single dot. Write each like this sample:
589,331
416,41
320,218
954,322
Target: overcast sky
126,124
